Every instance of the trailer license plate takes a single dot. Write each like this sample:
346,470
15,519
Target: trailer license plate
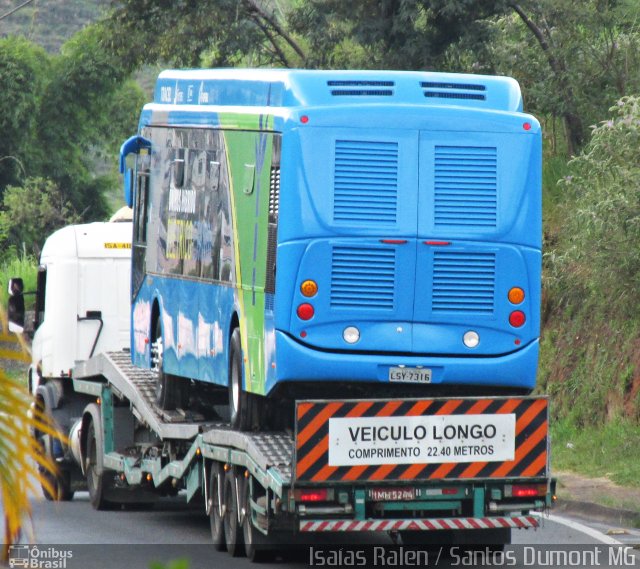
392,494
410,375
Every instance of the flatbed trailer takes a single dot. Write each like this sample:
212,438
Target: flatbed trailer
269,488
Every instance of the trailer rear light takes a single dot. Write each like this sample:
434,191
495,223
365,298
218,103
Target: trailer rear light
516,295
449,491
517,318
315,495
309,288
528,491
305,311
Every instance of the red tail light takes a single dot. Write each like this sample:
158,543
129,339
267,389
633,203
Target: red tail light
314,495
305,311
517,318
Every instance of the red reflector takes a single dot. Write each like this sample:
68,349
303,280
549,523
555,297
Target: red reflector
305,311
313,495
524,491
304,119
437,243
393,241
449,491
517,318
526,126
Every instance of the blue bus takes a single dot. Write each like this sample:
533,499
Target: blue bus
334,234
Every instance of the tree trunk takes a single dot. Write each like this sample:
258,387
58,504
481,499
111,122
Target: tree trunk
570,116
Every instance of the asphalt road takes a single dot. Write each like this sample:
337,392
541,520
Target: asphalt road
170,531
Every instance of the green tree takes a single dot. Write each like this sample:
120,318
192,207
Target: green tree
86,106
203,33
24,68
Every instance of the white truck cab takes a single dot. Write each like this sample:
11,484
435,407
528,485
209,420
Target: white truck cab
82,299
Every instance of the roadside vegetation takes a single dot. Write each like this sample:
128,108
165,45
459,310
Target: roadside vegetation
64,114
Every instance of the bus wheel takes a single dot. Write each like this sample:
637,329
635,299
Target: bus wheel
232,533
240,402
166,384
216,501
96,483
256,544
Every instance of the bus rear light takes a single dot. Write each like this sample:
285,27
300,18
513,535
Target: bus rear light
305,311
517,318
304,119
516,295
351,334
309,288
526,126
471,339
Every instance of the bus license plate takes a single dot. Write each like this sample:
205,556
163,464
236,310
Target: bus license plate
410,375
392,494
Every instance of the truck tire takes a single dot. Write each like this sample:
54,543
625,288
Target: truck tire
232,530
96,483
240,415
60,482
256,544
216,497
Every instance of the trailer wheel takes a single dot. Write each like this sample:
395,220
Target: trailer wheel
216,498
232,533
256,544
96,483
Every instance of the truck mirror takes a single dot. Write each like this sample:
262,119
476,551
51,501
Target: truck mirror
16,287
16,309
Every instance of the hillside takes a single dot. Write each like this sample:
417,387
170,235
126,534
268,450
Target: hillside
49,23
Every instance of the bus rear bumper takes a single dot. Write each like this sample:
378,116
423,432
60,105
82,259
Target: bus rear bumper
297,362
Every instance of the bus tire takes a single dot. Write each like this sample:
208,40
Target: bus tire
240,415
216,496
166,393
96,483
232,530
256,544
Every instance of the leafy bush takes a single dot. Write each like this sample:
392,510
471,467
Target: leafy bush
30,213
599,251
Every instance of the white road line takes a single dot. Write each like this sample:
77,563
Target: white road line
594,533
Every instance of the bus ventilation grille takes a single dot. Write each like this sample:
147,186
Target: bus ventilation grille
365,182
363,278
361,88
466,186
463,282
439,90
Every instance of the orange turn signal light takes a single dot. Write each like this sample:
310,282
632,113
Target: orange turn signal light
516,295
309,288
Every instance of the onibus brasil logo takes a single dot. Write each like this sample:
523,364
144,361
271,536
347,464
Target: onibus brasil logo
34,557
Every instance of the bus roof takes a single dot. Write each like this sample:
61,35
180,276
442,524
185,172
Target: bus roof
307,88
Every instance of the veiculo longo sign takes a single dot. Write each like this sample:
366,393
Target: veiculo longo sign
421,440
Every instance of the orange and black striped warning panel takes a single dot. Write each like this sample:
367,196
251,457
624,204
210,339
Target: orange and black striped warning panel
427,439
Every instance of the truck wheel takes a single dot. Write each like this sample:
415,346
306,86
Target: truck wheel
60,482
95,473
216,498
239,400
256,544
166,384
232,533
